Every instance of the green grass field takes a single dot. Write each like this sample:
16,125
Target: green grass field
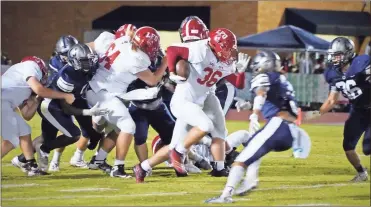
322,179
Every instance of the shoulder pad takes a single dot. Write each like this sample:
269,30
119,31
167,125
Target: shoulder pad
359,64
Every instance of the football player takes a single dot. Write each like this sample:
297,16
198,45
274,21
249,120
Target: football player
194,102
17,85
101,45
275,100
350,75
124,62
56,63
56,115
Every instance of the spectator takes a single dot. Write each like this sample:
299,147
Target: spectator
5,59
287,64
320,66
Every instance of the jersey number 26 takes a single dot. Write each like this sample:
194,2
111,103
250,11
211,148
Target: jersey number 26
349,89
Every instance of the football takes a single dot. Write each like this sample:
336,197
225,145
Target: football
182,69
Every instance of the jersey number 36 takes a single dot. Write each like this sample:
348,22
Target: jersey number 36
349,89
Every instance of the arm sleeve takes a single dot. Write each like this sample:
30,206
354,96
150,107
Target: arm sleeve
237,80
70,110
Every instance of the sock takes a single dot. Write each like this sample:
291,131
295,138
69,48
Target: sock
237,138
145,166
119,162
61,141
101,155
56,156
219,165
21,158
78,154
180,148
235,176
253,171
360,169
32,162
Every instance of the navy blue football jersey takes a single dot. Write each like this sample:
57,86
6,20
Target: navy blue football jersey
69,80
355,83
280,94
138,84
55,64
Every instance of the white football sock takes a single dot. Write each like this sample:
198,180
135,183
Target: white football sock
119,162
56,156
219,165
235,176
237,138
101,154
78,154
252,172
145,166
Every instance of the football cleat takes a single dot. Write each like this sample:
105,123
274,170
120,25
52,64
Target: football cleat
360,177
139,173
204,164
176,159
219,199
99,164
219,173
78,163
53,167
246,187
191,168
33,170
119,171
15,162
42,158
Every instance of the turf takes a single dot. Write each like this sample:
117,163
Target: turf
322,179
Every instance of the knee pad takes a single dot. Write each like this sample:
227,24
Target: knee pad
126,125
348,145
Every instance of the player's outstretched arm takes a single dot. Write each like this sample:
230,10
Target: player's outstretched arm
44,92
150,78
329,103
94,111
29,107
238,80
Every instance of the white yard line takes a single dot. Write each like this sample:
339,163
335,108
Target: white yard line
22,185
87,189
94,196
179,193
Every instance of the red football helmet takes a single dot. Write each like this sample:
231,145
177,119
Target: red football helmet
148,40
125,30
193,28
224,44
157,144
39,62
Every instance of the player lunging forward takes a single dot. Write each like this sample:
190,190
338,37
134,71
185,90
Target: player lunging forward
123,63
194,102
351,76
275,100
17,85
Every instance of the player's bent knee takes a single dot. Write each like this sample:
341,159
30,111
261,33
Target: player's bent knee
140,140
206,126
126,125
